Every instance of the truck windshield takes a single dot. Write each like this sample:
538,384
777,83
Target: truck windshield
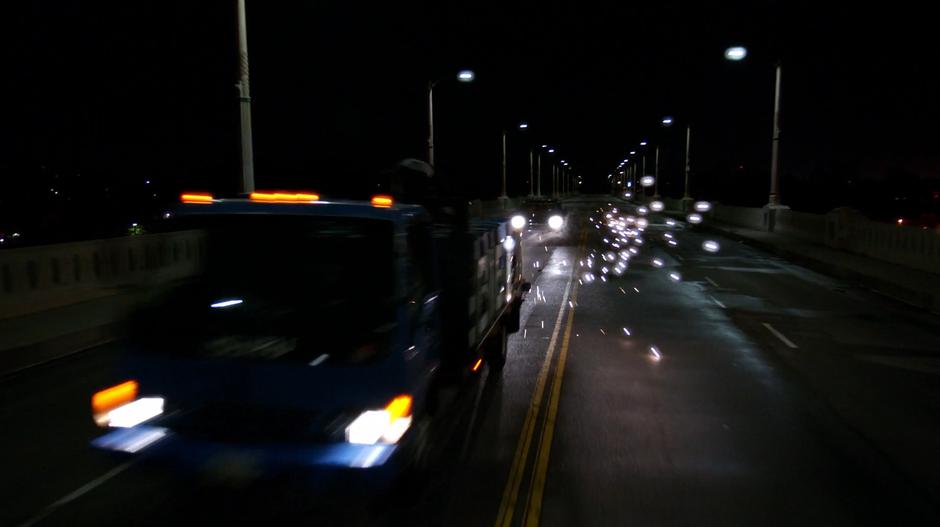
280,288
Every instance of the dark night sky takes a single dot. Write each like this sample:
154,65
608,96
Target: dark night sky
124,92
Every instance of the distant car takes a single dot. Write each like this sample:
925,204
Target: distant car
544,211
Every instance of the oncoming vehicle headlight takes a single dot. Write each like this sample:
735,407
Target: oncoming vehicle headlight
385,426
556,222
517,222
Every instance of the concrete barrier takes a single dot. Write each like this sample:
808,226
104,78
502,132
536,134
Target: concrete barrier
747,217
914,247
842,228
801,225
45,277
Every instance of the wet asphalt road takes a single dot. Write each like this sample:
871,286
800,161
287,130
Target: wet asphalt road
774,396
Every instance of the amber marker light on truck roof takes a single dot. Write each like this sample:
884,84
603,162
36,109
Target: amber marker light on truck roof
382,201
196,197
284,197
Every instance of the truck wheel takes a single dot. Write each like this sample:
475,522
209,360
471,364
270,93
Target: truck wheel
496,349
513,318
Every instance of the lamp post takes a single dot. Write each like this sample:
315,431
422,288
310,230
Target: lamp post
774,198
656,175
522,126
531,173
538,186
686,197
738,53
244,103
462,76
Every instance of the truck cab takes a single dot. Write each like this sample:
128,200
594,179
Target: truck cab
315,335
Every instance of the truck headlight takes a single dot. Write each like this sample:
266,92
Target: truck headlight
119,406
385,426
556,222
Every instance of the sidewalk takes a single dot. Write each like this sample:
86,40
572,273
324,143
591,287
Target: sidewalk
911,286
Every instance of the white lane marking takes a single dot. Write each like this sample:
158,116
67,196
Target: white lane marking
716,301
77,493
710,281
765,270
780,336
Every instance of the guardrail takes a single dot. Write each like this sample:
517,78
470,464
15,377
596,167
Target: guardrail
843,228
44,277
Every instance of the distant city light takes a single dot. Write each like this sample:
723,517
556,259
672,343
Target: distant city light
551,150
642,143
647,181
523,126
466,76
632,152
736,53
667,121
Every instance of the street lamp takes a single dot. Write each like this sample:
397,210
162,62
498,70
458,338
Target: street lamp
462,76
668,121
642,143
522,126
244,103
736,54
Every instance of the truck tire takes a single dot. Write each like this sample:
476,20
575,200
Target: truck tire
496,348
514,316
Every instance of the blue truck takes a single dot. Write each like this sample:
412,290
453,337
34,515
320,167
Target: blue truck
319,334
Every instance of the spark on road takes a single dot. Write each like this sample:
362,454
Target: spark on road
710,246
654,352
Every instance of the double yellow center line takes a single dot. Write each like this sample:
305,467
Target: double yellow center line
507,507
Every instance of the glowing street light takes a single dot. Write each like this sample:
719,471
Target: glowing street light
736,53
462,76
667,121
